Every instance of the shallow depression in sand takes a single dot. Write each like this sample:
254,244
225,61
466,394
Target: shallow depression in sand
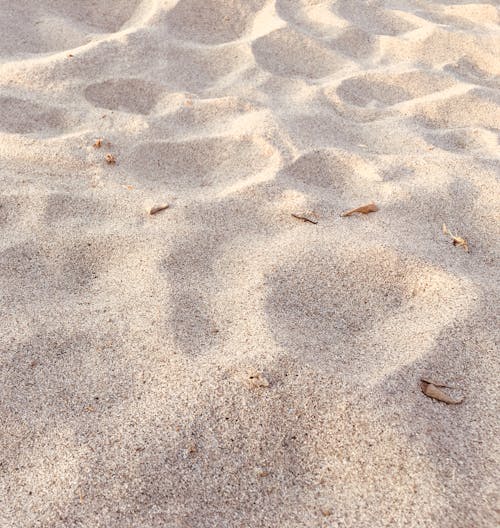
58,269
328,169
212,21
372,17
53,25
286,52
478,107
339,307
129,95
389,89
20,116
200,162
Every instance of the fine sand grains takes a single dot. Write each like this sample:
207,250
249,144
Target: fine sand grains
192,336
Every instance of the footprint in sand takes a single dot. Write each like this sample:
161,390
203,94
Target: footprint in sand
20,116
479,107
189,164
129,95
324,303
53,25
372,17
388,89
59,268
330,170
212,21
286,52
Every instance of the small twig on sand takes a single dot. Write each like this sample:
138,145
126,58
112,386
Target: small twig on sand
158,208
304,218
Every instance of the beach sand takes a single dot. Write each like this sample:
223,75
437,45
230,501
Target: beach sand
222,363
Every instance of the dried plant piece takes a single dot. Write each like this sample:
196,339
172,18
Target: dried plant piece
326,512
432,391
98,143
364,209
257,379
110,159
189,451
304,218
436,383
263,473
158,208
457,241
70,55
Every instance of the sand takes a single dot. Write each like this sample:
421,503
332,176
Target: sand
222,363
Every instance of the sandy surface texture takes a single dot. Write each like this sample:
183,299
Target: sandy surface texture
221,362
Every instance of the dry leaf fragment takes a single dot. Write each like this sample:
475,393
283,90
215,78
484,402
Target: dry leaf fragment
263,473
326,512
457,241
430,390
189,451
258,380
436,383
158,208
98,143
304,218
364,209
110,159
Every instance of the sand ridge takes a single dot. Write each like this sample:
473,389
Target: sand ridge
130,342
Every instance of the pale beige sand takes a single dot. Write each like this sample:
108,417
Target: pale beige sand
128,341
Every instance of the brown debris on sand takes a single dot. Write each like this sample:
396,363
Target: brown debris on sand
158,208
434,391
457,241
304,218
363,209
